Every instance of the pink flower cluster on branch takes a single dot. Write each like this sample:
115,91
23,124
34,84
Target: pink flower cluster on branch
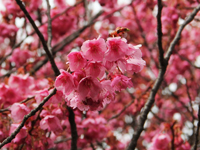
98,71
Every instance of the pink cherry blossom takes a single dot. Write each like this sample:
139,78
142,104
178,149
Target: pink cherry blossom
7,30
64,82
24,84
52,123
19,57
76,61
95,69
134,51
94,128
116,48
135,65
160,141
8,95
89,87
121,82
21,135
94,49
77,76
18,111
60,3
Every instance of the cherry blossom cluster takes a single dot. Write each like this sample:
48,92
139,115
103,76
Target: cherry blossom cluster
98,71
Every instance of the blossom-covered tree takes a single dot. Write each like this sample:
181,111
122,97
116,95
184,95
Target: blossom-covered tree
99,74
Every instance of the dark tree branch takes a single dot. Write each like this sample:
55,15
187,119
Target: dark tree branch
158,82
50,57
173,136
49,25
197,132
32,113
159,33
73,129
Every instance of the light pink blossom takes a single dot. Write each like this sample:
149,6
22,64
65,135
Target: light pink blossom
76,61
18,111
64,82
52,123
121,82
116,48
94,49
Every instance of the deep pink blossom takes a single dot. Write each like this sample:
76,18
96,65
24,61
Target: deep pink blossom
76,61
77,76
52,123
117,48
60,3
64,82
94,49
20,57
7,30
161,141
18,111
8,95
94,129
23,84
89,87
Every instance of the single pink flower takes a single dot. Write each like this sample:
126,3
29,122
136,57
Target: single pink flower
161,141
64,82
18,111
77,76
89,87
52,123
19,57
94,49
121,82
134,51
107,93
24,84
8,96
95,69
76,61
116,48
135,65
